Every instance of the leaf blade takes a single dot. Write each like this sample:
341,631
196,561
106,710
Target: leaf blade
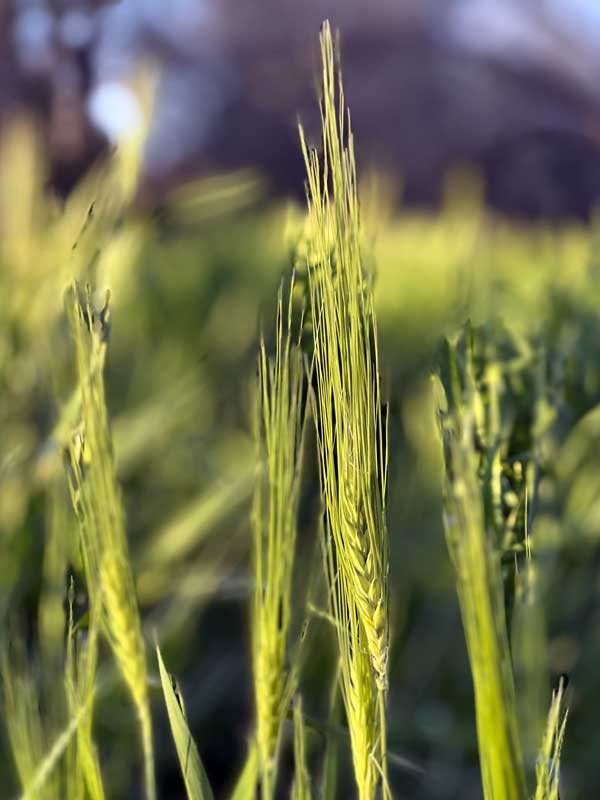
196,781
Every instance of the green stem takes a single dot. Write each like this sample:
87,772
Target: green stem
267,785
146,729
383,740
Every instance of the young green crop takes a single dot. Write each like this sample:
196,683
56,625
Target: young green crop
548,763
520,423
97,502
476,562
487,532
278,432
84,777
351,429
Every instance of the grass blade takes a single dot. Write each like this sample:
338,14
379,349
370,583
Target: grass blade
245,788
194,776
39,779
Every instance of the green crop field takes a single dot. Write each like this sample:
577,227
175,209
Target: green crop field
295,501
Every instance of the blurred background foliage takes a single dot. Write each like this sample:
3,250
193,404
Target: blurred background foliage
190,286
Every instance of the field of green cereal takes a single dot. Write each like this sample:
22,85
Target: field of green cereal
295,501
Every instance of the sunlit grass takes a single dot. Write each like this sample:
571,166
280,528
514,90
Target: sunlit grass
352,436
279,431
99,509
179,515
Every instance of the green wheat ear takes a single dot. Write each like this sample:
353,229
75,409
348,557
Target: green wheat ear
352,436
475,557
356,679
98,506
278,431
84,777
548,764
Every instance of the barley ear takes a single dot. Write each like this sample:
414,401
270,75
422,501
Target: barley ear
548,763
476,560
351,428
278,432
99,509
